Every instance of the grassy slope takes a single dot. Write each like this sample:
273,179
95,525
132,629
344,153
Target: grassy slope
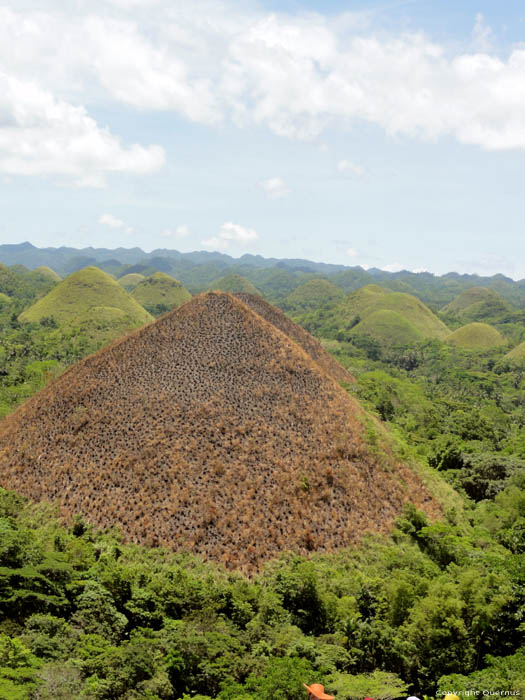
129,282
313,294
235,284
82,296
517,353
370,299
476,304
476,335
160,289
389,327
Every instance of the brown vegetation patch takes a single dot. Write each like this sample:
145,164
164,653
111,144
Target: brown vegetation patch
212,431
308,343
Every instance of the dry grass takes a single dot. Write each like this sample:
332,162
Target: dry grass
211,431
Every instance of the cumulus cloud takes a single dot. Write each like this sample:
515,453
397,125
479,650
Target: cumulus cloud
41,135
275,188
229,234
182,231
347,167
294,74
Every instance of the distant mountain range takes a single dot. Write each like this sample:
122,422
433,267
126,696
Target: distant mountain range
274,277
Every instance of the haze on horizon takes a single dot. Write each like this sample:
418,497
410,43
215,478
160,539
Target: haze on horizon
385,135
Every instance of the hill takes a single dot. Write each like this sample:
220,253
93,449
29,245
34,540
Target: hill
313,294
517,353
48,272
477,304
90,297
212,431
476,335
130,281
388,327
235,284
160,293
407,312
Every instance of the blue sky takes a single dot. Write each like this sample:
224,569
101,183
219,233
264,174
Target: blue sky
382,134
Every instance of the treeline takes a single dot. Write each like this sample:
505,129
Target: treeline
84,616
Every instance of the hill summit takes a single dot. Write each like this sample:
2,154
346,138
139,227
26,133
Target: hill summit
210,430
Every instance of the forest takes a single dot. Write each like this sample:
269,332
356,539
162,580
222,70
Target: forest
430,608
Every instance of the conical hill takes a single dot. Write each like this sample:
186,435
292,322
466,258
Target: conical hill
88,296
160,293
210,431
417,317
477,304
476,336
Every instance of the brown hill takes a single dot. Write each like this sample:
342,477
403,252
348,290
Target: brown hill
212,431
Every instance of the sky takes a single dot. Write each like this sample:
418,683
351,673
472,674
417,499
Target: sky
382,134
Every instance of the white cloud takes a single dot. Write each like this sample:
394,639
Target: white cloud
229,234
275,188
111,221
346,166
181,231
352,252
394,267
294,74
41,135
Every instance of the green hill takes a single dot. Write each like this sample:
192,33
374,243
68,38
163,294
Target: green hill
477,304
313,294
160,293
45,270
234,284
476,335
129,282
90,298
388,327
517,353
4,299
408,313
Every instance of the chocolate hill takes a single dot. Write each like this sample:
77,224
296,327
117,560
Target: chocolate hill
213,431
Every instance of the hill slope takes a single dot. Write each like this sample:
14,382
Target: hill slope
160,293
360,305
517,353
307,342
88,296
212,431
389,327
476,335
